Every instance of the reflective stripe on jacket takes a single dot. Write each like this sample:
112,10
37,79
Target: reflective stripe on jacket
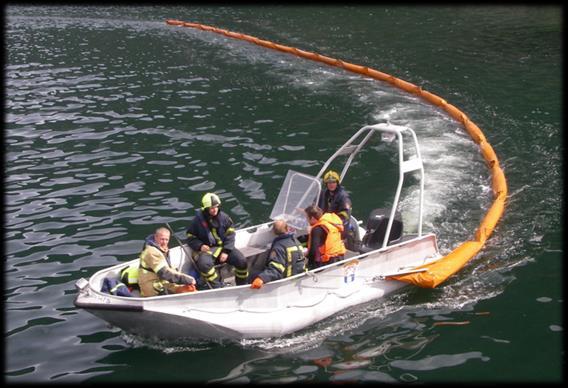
152,259
333,245
217,232
129,275
285,259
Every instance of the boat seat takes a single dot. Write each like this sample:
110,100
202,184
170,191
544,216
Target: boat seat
249,252
256,257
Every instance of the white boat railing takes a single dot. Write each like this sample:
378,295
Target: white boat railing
413,163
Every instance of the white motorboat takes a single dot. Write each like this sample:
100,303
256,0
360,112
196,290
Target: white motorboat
291,304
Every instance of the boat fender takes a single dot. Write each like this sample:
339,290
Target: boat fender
115,287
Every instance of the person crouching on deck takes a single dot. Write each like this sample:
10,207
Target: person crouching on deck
155,276
285,257
211,236
325,245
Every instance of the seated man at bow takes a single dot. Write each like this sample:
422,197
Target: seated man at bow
155,276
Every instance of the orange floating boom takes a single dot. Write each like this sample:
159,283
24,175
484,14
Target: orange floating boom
439,271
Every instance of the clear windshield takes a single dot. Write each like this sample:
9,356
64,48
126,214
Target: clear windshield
298,192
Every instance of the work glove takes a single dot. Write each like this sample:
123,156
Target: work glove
257,283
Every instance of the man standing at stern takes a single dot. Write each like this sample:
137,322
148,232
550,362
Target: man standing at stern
335,199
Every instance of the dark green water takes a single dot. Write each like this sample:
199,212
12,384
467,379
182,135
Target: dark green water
116,122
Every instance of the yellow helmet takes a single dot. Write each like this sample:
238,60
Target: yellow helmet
330,176
209,200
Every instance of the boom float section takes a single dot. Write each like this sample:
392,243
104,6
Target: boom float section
437,272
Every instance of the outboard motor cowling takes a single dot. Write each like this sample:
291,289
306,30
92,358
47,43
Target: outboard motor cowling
377,223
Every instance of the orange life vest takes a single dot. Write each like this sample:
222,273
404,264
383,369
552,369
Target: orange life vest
333,245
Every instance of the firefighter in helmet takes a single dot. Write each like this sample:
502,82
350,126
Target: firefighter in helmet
335,199
211,236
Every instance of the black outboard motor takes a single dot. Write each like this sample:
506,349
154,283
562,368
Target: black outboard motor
377,228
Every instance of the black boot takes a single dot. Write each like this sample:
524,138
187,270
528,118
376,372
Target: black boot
240,281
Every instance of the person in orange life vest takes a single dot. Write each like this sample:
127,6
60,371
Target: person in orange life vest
325,245
211,236
155,276
285,258
335,199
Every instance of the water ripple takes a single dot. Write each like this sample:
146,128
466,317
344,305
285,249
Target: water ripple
105,141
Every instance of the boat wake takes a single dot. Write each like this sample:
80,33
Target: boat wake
166,346
338,326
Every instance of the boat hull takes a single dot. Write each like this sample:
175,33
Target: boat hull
278,308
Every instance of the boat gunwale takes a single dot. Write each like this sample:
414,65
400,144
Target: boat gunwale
114,302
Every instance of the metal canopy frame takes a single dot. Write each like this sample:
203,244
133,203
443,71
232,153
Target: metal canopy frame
413,163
